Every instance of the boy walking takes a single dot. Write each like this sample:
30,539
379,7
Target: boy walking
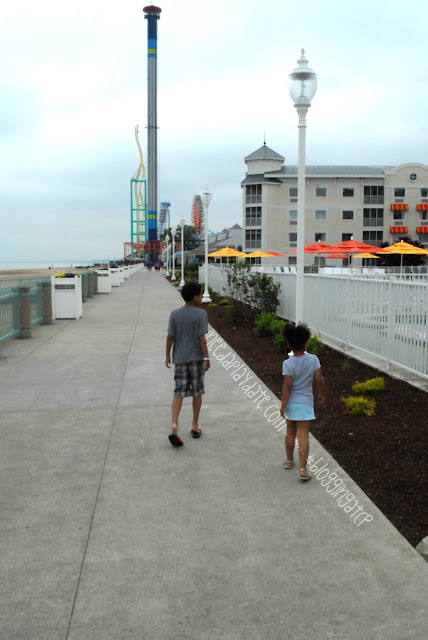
187,327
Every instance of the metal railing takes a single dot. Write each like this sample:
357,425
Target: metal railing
9,313
36,302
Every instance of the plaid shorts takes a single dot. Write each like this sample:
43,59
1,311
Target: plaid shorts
189,379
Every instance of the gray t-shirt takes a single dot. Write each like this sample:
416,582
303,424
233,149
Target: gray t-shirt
186,324
301,369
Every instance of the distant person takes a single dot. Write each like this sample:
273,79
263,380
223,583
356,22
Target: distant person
187,328
300,371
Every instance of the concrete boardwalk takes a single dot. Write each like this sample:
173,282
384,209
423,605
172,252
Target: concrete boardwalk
108,532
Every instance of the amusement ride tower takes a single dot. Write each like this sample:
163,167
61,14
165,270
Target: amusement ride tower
152,15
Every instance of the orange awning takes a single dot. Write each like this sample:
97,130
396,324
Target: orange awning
398,229
421,229
422,207
399,207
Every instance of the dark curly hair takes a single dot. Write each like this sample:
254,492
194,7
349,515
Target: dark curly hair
190,290
297,335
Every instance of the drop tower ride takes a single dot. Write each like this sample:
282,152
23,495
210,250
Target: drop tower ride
152,15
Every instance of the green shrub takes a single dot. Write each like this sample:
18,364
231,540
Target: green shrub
237,314
192,266
237,281
345,365
212,305
255,289
281,342
224,301
359,406
374,385
263,324
314,345
263,293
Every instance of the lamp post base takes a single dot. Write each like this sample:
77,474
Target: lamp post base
206,297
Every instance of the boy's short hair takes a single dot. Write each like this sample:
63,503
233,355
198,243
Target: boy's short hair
190,290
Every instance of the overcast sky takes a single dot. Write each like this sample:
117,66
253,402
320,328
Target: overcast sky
73,81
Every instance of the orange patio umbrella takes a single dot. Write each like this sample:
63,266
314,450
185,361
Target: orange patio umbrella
317,247
336,256
276,254
355,246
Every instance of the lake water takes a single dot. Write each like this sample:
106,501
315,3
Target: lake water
23,264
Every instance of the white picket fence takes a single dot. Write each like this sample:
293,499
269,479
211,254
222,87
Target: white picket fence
385,317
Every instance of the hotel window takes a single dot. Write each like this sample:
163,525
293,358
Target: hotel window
348,192
321,192
373,237
253,216
398,215
373,195
423,216
399,192
320,215
347,215
424,192
373,218
292,192
322,237
253,238
292,238
346,237
292,216
253,193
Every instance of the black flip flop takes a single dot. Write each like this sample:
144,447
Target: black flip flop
196,434
175,440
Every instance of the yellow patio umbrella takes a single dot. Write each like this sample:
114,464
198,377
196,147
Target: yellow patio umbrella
258,254
226,252
366,255
404,248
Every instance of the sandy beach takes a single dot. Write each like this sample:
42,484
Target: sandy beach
15,274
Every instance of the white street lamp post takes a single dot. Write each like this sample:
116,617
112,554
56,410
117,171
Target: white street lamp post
182,223
167,238
206,199
173,231
302,85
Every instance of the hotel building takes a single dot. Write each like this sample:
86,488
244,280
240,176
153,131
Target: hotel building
372,204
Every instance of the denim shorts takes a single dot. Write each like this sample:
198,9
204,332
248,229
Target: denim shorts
189,379
299,411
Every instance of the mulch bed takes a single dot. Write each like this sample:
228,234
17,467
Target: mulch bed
385,454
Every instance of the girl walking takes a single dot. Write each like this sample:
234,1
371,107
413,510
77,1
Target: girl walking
297,406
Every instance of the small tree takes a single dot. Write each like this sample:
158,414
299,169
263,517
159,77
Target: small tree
263,293
237,280
190,237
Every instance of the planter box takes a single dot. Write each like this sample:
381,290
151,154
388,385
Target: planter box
115,277
126,272
66,297
121,275
104,280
